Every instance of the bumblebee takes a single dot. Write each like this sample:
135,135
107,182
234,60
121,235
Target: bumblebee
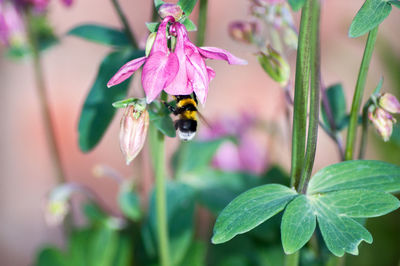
186,109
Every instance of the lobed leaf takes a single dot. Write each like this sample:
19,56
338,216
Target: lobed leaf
250,209
152,26
371,14
101,34
340,233
97,111
359,203
358,174
298,224
163,122
395,3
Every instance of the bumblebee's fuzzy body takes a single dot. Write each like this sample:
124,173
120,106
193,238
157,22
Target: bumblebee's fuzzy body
186,109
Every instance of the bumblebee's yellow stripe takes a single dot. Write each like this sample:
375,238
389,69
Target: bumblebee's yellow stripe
191,115
184,102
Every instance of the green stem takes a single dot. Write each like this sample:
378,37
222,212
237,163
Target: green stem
300,97
315,87
358,94
292,259
157,144
154,13
202,22
125,23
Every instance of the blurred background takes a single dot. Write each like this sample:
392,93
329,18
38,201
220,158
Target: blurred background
70,69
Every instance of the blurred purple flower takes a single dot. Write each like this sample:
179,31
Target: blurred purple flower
245,155
178,72
12,30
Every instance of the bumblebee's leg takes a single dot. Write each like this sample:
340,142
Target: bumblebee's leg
171,108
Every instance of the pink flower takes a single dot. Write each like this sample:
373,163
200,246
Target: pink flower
245,155
11,24
179,72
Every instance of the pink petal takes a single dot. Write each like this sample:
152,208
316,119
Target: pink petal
126,71
160,43
211,73
221,54
197,72
158,72
67,2
180,85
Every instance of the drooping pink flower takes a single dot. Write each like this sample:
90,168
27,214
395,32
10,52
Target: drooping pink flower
178,72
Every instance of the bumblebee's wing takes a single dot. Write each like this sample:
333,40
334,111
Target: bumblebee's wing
203,119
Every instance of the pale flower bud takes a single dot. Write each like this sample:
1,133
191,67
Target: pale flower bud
243,31
290,38
382,121
389,102
170,10
133,131
275,65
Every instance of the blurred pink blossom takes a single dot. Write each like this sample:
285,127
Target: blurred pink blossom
12,29
245,155
178,72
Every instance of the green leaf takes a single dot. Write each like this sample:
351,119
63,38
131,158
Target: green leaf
97,111
395,3
158,3
101,34
163,122
189,25
51,256
250,209
78,243
371,14
296,4
124,253
360,174
103,247
359,203
298,224
129,203
215,189
337,103
152,26
200,154
180,215
187,6
196,255
341,233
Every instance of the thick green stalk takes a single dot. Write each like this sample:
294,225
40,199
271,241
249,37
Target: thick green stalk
358,94
300,96
292,259
315,87
157,148
125,23
202,22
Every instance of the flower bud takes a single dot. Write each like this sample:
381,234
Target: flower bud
150,42
290,38
382,121
243,31
275,65
133,131
389,102
172,10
